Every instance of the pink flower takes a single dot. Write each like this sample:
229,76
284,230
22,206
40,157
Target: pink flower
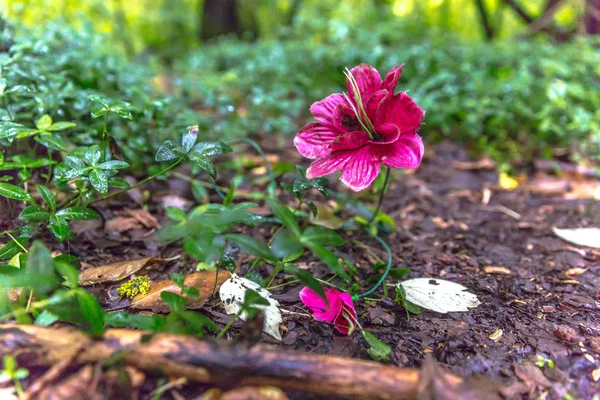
340,310
358,131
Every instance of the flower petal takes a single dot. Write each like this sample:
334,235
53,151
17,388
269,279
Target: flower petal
314,139
406,152
385,134
317,305
402,111
392,78
323,110
344,319
374,102
329,164
368,81
346,298
344,119
361,170
350,140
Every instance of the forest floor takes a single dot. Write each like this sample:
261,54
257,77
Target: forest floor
540,296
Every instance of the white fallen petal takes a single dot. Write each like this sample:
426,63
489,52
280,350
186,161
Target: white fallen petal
439,295
589,237
232,293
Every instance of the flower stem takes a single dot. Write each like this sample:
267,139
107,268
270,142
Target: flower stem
140,183
385,273
226,327
381,194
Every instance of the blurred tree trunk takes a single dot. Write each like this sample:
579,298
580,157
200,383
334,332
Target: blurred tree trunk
485,20
592,17
219,17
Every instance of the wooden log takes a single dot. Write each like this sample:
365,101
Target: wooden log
221,363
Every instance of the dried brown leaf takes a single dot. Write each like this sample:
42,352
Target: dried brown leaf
484,163
118,271
122,224
203,281
144,218
492,269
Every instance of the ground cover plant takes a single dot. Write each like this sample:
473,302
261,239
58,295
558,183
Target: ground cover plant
182,203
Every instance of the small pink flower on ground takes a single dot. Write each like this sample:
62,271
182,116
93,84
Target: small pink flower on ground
339,312
358,131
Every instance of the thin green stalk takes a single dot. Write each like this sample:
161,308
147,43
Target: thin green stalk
104,137
16,241
226,327
140,183
381,195
385,273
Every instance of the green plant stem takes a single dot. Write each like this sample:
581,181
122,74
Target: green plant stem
226,327
381,195
385,273
18,388
104,135
74,200
16,241
140,183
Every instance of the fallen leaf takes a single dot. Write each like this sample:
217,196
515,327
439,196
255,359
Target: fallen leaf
506,182
118,271
575,271
589,237
496,335
144,218
439,295
122,224
491,269
596,374
203,281
232,295
484,163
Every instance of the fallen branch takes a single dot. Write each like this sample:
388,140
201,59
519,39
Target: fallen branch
226,365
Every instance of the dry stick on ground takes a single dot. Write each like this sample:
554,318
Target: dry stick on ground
225,365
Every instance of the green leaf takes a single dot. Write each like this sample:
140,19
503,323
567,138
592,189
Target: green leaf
118,183
14,192
8,130
59,227
74,162
329,259
68,272
209,149
174,301
176,214
44,122
47,196
34,213
121,319
78,213
286,217
46,318
1,158
169,151
51,141
178,279
197,321
252,246
203,162
378,350
11,249
320,235
113,164
92,311
306,278
99,111
99,180
189,139
286,247
92,155
59,126
40,268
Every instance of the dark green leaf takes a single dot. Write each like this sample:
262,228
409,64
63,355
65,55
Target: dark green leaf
322,236
399,273
198,321
34,213
99,180
286,246
51,141
69,272
378,350
329,259
92,311
286,217
1,159
8,130
11,249
209,149
178,279
169,151
113,164
118,183
59,227
40,268
121,319
174,301
78,213
306,278
14,192
74,162
252,246
203,162
189,139
47,196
